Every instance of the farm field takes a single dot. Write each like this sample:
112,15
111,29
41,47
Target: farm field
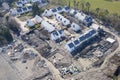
111,6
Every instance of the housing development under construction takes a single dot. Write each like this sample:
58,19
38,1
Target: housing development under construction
60,43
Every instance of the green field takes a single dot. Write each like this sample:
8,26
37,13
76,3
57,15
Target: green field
112,7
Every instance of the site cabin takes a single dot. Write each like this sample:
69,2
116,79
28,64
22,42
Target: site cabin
30,23
110,40
59,34
66,9
19,4
49,27
38,19
75,27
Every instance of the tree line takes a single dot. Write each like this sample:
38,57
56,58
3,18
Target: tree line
103,15
5,35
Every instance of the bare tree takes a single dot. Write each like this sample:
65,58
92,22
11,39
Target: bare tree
13,25
82,6
88,6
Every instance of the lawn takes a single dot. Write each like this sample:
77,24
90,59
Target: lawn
112,7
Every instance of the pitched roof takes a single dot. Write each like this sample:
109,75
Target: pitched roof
30,23
75,26
19,2
67,8
81,16
43,1
24,8
38,19
49,27
76,42
71,45
19,10
29,7
59,8
87,35
54,10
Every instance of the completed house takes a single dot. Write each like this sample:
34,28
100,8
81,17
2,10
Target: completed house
57,35
75,27
81,42
66,9
30,23
85,19
19,4
47,26
38,19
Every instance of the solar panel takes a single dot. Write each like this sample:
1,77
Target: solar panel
55,33
29,7
19,3
87,35
54,10
88,19
43,1
92,31
76,42
59,8
81,38
24,8
60,31
67,8
19,10
71,45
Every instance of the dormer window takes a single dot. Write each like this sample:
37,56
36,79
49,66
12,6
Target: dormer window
64,21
